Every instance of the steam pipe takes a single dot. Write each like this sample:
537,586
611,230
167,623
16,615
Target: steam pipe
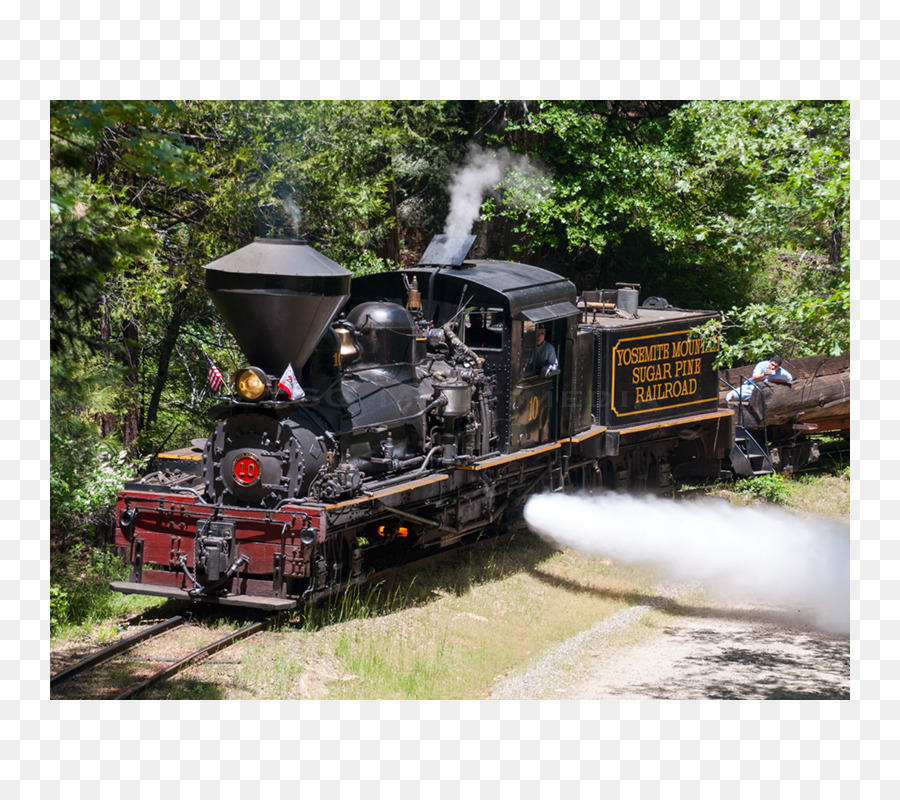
428,458
431,292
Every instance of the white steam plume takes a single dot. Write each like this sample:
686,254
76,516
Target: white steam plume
736,552
488,172
293,211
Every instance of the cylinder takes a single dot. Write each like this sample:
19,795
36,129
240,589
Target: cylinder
627,300
459,399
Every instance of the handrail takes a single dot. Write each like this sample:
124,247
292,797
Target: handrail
740,399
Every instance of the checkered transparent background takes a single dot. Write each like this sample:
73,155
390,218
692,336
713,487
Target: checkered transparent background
394,49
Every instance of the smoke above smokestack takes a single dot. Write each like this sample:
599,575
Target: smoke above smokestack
293,211
498,173
736,552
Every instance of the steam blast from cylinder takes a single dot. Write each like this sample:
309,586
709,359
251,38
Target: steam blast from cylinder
768,555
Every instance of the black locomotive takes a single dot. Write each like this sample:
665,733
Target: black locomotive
423,419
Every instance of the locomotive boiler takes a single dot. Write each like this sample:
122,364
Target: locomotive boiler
421,421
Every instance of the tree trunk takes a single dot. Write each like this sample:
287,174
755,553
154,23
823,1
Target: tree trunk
128,353
394,237
108,419
131,416
167,347
834,251
806,401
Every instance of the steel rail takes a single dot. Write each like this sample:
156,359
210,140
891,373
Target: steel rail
113,650
185,662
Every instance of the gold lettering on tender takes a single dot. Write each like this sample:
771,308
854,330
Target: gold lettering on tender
663,371
665,390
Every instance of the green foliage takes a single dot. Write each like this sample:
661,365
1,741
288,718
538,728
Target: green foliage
772,488
59,607
83,484
87,468
113,167
757,175
695,198
92,237
79,585
365,262
803,323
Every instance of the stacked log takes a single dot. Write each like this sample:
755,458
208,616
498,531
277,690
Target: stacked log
817,400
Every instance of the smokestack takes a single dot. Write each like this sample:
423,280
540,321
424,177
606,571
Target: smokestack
277,297
445,251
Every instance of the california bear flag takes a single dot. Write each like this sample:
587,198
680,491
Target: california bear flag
290,384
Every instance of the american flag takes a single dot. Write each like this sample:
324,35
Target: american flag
216,381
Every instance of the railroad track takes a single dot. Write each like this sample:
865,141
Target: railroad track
122,646
117,648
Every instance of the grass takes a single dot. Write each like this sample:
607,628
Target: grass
822,489
105,619
449,633
827,496
80,598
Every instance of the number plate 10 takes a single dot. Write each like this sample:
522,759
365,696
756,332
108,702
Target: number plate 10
247,469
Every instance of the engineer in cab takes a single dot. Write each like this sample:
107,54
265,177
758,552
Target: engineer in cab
543,359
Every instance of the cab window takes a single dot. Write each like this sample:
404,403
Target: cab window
483,328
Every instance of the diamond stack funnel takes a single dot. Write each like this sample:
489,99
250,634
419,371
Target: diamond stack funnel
277,297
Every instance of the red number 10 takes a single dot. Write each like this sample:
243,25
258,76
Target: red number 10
246,470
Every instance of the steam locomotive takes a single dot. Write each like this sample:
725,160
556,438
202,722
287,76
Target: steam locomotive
422,421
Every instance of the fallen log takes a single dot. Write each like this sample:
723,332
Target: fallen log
800,368
819,395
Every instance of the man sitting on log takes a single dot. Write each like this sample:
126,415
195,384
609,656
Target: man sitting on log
766,371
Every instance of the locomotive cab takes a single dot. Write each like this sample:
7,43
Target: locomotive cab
495,308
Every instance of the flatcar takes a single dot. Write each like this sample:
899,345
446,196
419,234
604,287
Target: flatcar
413,418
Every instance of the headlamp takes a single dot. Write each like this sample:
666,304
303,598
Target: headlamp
250,383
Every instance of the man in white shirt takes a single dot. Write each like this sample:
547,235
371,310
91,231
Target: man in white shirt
766,371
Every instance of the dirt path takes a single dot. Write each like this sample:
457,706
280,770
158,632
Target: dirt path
740,650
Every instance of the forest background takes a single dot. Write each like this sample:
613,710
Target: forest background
740,207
